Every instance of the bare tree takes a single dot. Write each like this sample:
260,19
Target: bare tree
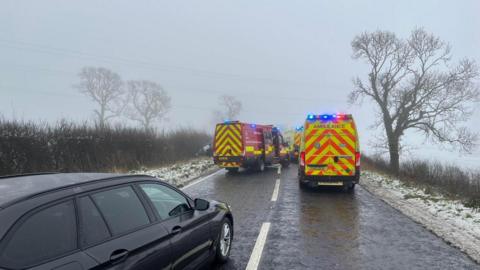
104,87
231,108
416,87
147,102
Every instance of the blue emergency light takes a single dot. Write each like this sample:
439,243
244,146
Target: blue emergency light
328,117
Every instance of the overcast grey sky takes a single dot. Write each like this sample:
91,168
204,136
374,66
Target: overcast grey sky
282,59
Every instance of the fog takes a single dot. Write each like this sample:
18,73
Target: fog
281,59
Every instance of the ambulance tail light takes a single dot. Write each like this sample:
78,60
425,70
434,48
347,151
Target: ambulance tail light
357,159
302,158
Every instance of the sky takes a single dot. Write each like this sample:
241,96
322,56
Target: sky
281,59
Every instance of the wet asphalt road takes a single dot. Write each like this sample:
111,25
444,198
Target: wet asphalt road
322,229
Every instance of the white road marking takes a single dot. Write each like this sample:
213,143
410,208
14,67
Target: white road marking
275,190
201,180
256,255
279,170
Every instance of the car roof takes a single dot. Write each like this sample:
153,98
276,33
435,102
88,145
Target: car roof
15,187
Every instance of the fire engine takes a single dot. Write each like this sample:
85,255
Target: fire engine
330,152
242,145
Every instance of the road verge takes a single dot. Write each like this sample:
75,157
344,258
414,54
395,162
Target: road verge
182,173
449,219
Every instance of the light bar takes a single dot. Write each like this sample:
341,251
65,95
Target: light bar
329,116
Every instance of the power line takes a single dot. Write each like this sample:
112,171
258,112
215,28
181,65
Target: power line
61,51
203,90
175,107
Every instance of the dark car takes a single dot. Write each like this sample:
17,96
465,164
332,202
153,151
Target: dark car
107,221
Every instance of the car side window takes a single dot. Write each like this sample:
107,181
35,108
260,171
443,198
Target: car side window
167,202
92,226
45,235
122,209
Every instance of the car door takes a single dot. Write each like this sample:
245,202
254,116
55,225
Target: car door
190,230
45,238
125,236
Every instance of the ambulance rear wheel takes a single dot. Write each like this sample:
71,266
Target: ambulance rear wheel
301,183
232,170
349,187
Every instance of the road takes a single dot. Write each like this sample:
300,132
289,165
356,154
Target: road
321,229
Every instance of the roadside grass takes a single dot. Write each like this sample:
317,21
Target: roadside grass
28,147
433,178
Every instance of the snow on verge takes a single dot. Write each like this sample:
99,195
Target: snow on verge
449,219
181,174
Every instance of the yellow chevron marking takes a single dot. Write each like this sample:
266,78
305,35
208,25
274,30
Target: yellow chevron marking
226,133
219,131
223,143
229,164
228,144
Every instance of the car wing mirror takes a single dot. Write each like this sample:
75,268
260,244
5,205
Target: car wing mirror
201,204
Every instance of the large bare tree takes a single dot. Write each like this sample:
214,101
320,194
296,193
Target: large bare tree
147,102
416,86
231,108
104,87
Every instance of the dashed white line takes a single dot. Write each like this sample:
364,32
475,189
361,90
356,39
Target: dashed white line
200,180
275,190
256,255
279,170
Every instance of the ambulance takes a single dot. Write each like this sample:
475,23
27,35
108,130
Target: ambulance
329,152
297,139
243,145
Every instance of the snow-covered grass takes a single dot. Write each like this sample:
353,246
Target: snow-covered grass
450,219
182,173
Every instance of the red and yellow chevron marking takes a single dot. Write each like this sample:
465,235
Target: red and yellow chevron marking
228,140
323,145
297,139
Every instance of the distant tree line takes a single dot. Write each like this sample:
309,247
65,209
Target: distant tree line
69,147
143,101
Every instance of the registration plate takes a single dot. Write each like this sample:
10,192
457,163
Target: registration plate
330,183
